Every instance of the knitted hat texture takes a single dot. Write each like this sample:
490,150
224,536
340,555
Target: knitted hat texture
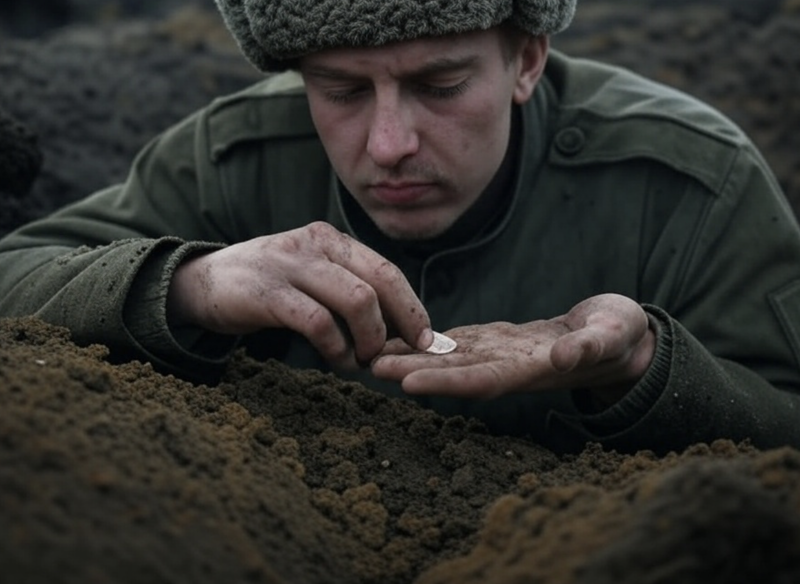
274,33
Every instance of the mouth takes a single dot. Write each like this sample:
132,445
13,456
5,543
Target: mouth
400,193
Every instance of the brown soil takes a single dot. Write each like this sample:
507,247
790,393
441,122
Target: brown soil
115,473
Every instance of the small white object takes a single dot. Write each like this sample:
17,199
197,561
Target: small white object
441,345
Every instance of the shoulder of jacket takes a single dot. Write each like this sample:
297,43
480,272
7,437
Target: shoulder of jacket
274,108
609,114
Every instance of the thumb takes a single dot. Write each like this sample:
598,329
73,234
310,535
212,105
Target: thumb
580,348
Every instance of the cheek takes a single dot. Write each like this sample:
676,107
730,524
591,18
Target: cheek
334,128
486,129
489,113
340,140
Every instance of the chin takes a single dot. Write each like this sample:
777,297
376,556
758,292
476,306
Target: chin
407,231
415,225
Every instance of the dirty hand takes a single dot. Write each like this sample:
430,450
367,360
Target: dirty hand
314,280
604,343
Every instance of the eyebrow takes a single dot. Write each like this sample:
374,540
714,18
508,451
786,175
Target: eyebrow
433,67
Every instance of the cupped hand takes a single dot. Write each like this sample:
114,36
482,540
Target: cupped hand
315,280
603,343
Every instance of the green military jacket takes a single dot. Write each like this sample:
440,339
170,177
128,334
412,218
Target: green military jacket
621,185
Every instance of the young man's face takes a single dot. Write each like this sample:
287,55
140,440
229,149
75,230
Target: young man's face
416,130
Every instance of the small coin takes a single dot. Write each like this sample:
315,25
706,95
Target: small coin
441,344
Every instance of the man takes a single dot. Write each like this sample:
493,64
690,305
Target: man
614,259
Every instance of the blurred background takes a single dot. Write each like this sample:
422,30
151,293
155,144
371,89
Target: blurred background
84,84
32,18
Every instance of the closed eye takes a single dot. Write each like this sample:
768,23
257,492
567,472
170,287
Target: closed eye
446,92
343,96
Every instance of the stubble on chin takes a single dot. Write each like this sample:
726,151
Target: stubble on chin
414,231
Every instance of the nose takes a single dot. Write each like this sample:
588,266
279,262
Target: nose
392,134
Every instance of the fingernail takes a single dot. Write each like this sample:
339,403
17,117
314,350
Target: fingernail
425,339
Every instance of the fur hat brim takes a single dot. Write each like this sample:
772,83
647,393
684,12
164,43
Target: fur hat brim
273,34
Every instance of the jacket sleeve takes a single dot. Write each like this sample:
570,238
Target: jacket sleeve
102,266
727,363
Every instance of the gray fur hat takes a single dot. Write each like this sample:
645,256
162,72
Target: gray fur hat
274,33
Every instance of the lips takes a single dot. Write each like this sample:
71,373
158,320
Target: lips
400,193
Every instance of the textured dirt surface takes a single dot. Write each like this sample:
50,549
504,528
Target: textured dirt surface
114,473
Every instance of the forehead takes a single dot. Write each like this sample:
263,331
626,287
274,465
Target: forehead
405,57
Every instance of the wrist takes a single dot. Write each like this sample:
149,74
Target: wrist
182,296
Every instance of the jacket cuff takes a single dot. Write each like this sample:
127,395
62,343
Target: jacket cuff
189,352
640,399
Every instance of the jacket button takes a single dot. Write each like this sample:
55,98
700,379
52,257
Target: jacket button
570,141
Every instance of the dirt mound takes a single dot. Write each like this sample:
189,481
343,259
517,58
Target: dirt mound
117,473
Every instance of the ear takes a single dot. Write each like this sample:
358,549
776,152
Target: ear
530,66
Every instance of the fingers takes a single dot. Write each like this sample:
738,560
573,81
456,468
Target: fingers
601,343
332,293
399,305
435,375
401,364
478,381
339,294
582,348
304,315
603,328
